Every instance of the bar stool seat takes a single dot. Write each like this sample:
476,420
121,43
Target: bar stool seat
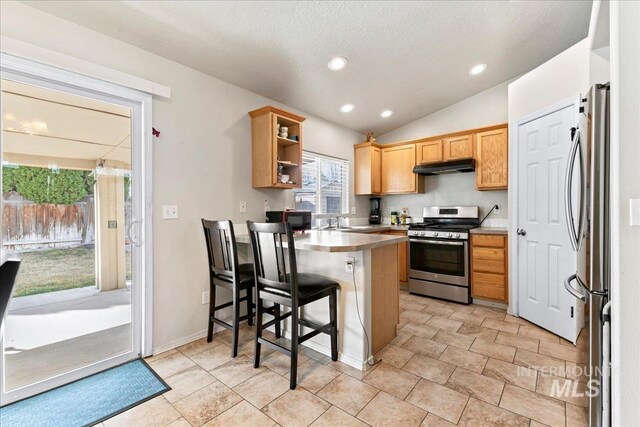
245,272
310,286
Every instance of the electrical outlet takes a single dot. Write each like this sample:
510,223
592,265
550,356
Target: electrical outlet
497,209
350,263
205,297
243,207
169,212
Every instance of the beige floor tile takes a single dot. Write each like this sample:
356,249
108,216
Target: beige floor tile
197,346
435,421
207,403
539,333
296,408
411,305
533,405
280,363
424,331
478,413
491,349
560,351
577,371
577,416
171,364
392,380
401,338
414,316
315,355
501,325
186,382
476,385
463,308
444,311
518,320
424,346
348,394
560,388
242,414
263,388
534,423
476,331
160,355
180,422
212,358
236,371
517,341
430,369
313,375
470,318
453,338
395,356
508,372
444,323
433,302
540,362
350,370
466,359
153,413
491,313
336,417
388,411
438,399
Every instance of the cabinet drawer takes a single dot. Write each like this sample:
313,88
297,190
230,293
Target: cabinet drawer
488,260
492,254
493,241
489,286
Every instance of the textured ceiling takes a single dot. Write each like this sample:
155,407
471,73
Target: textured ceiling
411,57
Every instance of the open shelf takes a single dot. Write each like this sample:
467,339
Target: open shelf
286,141
286,163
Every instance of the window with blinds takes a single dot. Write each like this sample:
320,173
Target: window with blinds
325,185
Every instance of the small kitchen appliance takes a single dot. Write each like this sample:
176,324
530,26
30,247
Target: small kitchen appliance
299,220
439,252
375,216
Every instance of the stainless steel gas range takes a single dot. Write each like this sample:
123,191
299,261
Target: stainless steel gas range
439,254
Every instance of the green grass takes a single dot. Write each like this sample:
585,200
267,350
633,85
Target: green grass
55,270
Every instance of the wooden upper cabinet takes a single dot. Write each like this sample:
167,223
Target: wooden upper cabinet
397,170
367,171
271,151
458,147
429,151
492,159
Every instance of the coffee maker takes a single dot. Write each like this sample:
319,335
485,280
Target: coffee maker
375,216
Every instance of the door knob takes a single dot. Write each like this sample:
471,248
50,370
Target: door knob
521,232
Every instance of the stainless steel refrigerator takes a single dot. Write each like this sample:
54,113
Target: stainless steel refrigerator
587,209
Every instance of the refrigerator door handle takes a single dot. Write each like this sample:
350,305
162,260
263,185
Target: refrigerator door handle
605,387
571,290
568,203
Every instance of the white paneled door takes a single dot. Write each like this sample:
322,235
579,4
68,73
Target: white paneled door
544,254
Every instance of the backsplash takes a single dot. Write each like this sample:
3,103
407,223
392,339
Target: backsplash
456,189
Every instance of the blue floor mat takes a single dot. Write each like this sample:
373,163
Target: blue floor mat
87,401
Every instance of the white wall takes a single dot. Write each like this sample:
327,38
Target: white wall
625,183
484,109
202,160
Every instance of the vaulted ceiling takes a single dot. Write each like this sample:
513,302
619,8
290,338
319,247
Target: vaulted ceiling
410,57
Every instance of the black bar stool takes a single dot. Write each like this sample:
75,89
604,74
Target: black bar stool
226,272
8,273
291,289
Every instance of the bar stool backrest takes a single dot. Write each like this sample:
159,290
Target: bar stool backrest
8,274
221,248
274,258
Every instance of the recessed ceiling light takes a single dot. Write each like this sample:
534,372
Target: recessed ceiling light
477,69
337,63
386,113
346,108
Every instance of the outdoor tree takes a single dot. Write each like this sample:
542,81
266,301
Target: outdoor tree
43,185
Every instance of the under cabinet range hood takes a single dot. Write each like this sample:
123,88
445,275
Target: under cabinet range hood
464,165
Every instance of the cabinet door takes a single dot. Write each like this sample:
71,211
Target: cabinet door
492,160
429,152
459,147
403,258
376,165
397,169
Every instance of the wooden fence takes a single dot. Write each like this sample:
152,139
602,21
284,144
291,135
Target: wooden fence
28,226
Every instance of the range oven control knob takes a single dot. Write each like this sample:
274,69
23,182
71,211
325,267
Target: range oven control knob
422,233
435,234
450,234
456,235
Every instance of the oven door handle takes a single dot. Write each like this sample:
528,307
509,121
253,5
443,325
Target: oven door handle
437,242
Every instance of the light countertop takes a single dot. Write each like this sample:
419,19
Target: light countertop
374,228
489,230
337,241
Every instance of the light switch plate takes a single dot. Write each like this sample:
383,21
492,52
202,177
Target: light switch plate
170,212
243,207
634,206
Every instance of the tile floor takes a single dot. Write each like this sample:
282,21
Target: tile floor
449,365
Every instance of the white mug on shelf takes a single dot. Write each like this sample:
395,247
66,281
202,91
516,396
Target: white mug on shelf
284,131
284,179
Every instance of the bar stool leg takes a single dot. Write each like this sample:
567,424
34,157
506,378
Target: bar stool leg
212,311
236,323
256,353
276,310
333,316
294,347
250,310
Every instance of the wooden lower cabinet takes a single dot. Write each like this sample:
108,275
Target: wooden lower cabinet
403,256
489,267
385,296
